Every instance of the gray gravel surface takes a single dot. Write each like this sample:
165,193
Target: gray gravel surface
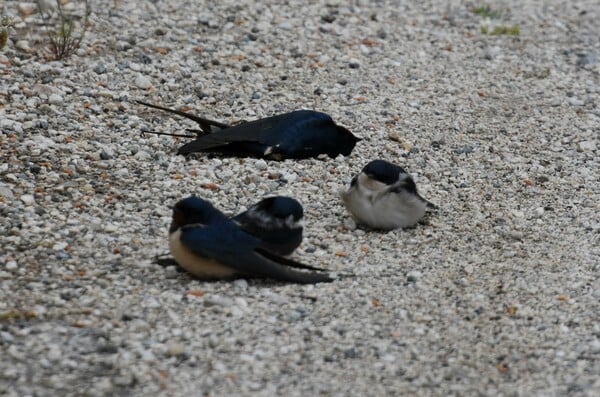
495,294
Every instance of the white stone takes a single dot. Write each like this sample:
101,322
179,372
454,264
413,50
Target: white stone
260,165
123,172
55,99
414,275
28,199
575,101
142,155
143,82
586,146
23,45
61,245
26,9
6,192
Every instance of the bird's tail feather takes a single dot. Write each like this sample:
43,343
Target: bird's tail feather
299,277
205,124
287,261
276,269
145,131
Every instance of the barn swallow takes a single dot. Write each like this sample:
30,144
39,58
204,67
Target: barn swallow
209,245
276,221
295,135
384,196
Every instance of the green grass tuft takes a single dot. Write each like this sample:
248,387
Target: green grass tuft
64,41
486,12
501,30
5,23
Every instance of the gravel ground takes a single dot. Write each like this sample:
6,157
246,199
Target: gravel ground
497,293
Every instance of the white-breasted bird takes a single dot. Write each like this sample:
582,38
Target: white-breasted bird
384,196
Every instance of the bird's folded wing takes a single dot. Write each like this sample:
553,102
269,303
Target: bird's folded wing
252,263
236,249
398,187
217,242
254,139
254,216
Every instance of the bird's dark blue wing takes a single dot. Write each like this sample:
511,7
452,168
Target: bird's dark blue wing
217,241
230,246
286,133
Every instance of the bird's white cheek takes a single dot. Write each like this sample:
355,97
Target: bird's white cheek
370,184
197,266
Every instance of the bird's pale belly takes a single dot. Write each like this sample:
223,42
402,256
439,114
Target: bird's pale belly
387,212
192,263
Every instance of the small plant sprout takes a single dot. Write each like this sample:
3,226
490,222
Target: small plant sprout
486,11
501,30
64,40
5,23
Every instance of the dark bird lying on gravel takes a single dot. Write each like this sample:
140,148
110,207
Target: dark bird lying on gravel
276,221
209,245
384,196
296,135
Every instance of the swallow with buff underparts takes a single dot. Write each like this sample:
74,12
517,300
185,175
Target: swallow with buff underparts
209,245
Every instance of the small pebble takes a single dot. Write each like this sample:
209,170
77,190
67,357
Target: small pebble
539,211
26,8
28,199
143,82
175,350
6,192
586,146
100,68
11,265
413,276
260,165
122,173
55,99
23,45
218,300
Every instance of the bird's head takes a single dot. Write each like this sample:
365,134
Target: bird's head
192,210
347,142
384,171
283,207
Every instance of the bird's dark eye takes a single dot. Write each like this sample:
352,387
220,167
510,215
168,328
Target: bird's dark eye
178,216
354,180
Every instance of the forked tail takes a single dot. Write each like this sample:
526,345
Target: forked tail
206,125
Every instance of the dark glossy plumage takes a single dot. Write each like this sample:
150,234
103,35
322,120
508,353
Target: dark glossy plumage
388,173
296,135
276,222
206,234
